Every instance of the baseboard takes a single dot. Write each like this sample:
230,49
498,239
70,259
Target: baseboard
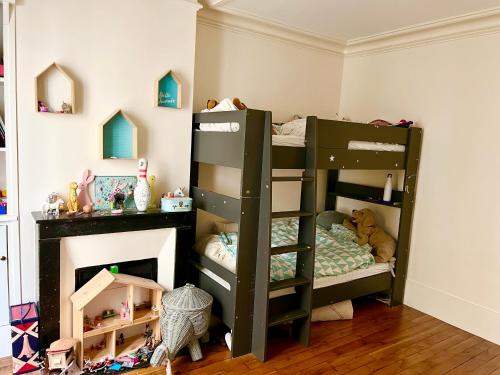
467,315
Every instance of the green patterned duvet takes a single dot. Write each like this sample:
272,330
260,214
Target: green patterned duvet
336,253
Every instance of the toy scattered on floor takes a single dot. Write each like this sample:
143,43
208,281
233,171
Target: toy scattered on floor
52,205
363,224
87,209
83,189
61,353
184,318
142,193
138,359
72,198
152,200
66,108
42,107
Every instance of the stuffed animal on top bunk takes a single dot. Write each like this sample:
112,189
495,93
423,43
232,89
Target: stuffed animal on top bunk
362,223
211,103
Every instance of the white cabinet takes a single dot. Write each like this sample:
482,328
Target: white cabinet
5,347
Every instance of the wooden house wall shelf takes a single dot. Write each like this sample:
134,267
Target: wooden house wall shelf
111,327
42,94
118,135
168,90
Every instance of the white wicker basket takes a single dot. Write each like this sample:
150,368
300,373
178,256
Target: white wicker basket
184,318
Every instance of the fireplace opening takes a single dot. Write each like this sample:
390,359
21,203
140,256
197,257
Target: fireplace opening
146,268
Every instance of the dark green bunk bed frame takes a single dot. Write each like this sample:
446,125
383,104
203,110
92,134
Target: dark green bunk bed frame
247,313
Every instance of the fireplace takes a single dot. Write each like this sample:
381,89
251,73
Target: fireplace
145,268
73,249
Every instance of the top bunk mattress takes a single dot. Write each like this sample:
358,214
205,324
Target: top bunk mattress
336,253
292,134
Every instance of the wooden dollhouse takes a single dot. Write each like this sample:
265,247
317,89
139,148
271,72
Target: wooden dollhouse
109,334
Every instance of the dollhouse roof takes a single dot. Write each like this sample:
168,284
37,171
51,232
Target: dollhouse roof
102,280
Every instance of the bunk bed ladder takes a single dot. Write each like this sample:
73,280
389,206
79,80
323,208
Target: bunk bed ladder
299,313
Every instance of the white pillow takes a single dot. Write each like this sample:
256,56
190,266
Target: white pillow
295,127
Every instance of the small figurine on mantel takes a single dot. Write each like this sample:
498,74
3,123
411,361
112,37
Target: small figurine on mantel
83,189
179,192
152,199
52,205
72,198
142,193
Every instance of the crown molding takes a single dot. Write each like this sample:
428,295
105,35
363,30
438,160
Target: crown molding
244,23
474,24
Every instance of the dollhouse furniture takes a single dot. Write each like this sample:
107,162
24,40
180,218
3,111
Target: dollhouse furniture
111,329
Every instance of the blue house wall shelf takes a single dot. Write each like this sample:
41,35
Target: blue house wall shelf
168,90
118,136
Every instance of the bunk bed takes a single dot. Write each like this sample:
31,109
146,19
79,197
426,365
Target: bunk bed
244,298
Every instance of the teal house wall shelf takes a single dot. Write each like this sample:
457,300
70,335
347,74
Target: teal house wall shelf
168,91
118,136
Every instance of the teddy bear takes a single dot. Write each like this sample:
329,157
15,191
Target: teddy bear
211,103
362,223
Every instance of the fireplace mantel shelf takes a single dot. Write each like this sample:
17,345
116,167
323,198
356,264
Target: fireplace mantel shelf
101,215
50,231
101,222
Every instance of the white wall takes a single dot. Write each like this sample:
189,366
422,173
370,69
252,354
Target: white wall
452,90
115,49
266,73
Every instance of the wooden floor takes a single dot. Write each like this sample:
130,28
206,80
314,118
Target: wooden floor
379,340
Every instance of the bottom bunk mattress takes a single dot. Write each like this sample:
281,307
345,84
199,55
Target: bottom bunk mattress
338,257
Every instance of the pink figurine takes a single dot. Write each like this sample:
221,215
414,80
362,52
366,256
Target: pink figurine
42,107
83,194
125,311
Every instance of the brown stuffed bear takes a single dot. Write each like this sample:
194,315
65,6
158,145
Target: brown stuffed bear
211,103
383,244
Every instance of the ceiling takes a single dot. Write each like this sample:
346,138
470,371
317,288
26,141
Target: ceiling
347,20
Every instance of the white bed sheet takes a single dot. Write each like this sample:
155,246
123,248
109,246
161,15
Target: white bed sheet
375,146
288,140
323,282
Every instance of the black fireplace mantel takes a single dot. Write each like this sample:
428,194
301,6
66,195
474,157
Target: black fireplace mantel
51,230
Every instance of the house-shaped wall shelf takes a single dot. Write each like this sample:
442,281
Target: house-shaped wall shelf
168,90
118,137
87,330
53,97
